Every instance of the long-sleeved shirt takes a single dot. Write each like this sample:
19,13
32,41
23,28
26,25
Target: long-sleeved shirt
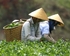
44,27
30,31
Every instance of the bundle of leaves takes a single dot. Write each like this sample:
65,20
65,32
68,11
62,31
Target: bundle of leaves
35,48
12,25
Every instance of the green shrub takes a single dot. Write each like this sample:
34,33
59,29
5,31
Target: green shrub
36,48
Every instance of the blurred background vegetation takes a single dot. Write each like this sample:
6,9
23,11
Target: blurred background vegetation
19,9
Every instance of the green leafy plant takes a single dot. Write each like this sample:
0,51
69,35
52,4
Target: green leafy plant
35,48
12,25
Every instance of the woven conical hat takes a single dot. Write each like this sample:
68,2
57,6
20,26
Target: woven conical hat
56,17
39,13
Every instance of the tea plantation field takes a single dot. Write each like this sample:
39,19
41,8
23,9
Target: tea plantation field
36,48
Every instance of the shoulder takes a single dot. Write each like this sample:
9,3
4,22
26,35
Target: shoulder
44,23
26,23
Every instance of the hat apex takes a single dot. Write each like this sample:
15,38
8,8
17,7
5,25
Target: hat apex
39,13
57,18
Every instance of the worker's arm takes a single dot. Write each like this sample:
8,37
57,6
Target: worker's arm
49,38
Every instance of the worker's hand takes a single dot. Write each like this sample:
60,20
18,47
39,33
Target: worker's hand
38,38
49,38
53,40
33,38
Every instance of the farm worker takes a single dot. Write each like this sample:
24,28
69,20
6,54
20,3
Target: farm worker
30,29
46,27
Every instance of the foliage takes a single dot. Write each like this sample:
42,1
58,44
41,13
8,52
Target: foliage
64,3
2,12
36,48
16,9
12,25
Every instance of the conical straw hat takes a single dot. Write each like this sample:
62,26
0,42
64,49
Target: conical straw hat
39,13
56,17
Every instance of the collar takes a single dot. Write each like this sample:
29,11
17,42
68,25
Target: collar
31,20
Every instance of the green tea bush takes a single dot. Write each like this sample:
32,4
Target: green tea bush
12,25
35,48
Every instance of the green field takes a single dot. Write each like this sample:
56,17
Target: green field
36,48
